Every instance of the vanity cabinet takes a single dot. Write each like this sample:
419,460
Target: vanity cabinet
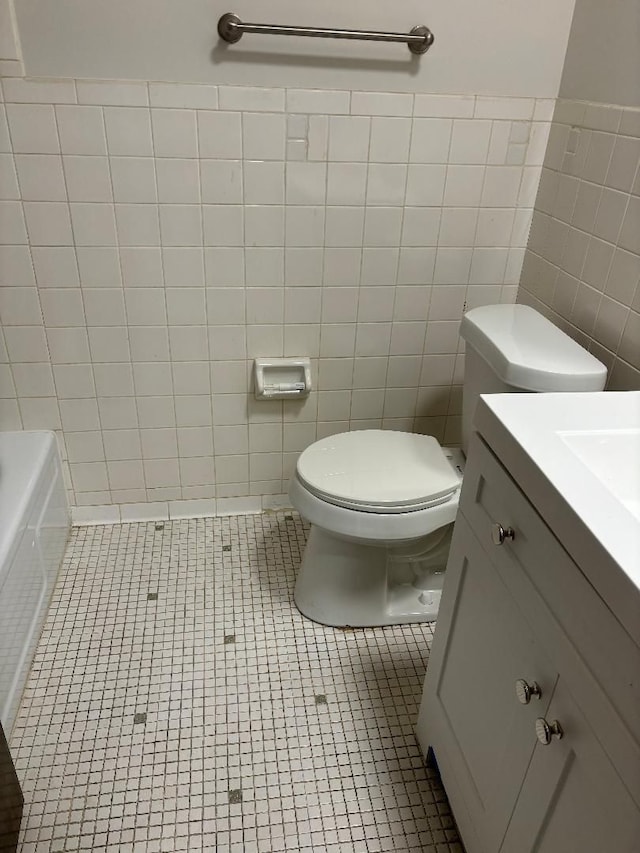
525,651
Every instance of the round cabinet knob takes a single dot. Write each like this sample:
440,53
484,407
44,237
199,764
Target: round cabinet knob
525,691
546,731
499,534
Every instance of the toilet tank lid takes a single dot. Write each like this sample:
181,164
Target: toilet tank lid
527,351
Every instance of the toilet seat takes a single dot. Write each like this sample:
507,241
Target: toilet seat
378,471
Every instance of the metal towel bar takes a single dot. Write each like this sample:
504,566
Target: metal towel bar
231,29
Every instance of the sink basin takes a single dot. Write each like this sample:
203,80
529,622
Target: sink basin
613,456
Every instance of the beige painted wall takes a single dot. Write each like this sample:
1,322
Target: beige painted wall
603,55
495,47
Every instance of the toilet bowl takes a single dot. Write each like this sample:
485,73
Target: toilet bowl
380,533
381,504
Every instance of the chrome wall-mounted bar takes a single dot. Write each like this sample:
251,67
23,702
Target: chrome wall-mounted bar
231,29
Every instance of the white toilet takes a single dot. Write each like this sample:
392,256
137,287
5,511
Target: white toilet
381,504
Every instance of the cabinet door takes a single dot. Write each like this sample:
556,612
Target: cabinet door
481,735
572,800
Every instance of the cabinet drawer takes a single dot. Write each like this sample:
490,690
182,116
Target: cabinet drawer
567,613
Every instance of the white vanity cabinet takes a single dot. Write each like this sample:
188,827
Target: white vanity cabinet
523,640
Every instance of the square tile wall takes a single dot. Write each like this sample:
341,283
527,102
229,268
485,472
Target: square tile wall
155,238
582,266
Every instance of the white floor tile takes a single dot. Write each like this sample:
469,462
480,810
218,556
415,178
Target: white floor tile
179,702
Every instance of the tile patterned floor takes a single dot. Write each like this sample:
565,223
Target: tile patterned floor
179,702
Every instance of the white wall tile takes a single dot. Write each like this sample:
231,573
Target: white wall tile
55,266
149,343
379,266
220,135
221,181
390,140
386,184
380,104
186,306
5,141
104,306
33,379
134,179
425,184
109,344
223,225
346,183
344,226
349,138
68,345
93,225
430,140
145,306
12,223
306,183
183,96
19,306
141,266
317,101
504,108
470,141
74,381
16,269
81,130
302,266
87,178
33,128
304,226
48,223
342,266
464,185
180,225
264,226
40,177
263,136
126,94
444,106
62,307
263,265
457,226
174,133
128,131
178,181
223,266
183,266
318,138
8,179
420,226
225,306
382,226
251,98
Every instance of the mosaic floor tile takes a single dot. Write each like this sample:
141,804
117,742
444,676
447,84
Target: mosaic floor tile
208,714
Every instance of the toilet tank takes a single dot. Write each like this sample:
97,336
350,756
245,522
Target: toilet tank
513,348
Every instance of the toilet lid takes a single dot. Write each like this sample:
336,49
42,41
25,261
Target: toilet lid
378,471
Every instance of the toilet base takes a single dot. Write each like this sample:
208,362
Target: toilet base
347,583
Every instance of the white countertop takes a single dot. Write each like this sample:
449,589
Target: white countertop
583,448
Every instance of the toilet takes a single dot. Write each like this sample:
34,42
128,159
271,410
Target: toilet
381,503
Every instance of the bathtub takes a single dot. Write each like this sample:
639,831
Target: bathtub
34,526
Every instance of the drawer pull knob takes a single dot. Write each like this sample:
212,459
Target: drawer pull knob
499,534
546,731
525,691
